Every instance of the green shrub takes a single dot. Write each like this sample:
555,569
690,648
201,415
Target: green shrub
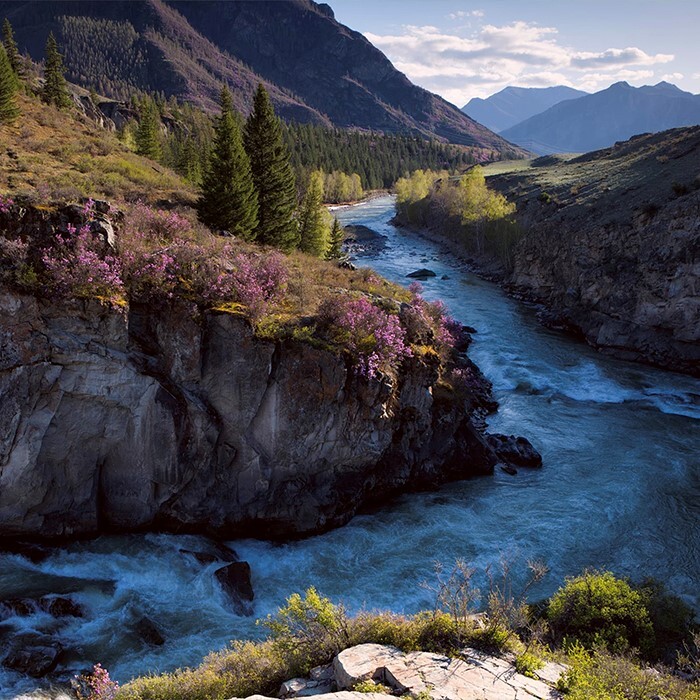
600,675
527,663
671,618
598,609
370,686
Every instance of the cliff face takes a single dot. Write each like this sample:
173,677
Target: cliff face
611,245
632,290
127,421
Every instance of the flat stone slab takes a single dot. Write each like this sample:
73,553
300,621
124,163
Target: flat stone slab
475,676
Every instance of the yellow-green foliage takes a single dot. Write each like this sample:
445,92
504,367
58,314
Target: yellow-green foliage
341,187
476,203
598,609
417,186
463,208
600,675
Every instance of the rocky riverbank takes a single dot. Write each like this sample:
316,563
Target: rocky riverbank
611,246
608,245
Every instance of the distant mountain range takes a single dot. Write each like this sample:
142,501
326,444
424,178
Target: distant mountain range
316,69
599,120
513,105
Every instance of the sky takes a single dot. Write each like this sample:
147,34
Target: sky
462,49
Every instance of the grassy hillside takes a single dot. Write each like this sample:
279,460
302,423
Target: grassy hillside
49,154
635,176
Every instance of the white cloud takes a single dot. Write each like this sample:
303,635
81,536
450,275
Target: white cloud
462,14
618,57
671,77
519,53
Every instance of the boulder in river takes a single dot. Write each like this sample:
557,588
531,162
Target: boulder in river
361,240
58,606
148,631
515,451
235,582
421,274
33,654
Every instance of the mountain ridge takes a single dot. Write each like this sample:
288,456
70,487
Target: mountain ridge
315,69
513,105
603,118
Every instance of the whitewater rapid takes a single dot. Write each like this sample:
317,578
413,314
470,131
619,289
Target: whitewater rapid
620,489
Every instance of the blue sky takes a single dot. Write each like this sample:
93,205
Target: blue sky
462,49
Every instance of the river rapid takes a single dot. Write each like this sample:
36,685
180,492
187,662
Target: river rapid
620,489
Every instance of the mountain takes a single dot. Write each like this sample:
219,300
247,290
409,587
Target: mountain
603,118
316,69
119,47
513,105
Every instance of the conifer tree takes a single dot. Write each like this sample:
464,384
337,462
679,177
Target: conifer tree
314,225
8,90
228,200
147,136
335,245
272,175
55,91
8,40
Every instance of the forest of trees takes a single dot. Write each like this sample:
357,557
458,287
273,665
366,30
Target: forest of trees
463,208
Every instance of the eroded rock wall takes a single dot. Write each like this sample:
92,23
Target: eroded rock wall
124,421
632,287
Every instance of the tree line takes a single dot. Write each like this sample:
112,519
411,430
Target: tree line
463,208
249,187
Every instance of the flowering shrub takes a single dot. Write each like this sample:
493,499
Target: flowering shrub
375,338
164,254
429,322
258,281
76,266
96,685
156,225
5,204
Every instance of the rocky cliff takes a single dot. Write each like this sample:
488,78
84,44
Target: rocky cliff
114,421
611,245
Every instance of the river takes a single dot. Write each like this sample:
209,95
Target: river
620,489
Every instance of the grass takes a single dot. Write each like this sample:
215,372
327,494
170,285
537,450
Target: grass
50,154
617,183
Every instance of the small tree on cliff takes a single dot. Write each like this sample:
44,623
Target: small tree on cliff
335,247
228,201
314,220
272,175
55,91
8,90
147,137
8,40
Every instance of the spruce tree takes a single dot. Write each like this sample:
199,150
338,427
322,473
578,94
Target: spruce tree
55,91
272,175
8,90
335,245
147,136
314,228
228,201
8,40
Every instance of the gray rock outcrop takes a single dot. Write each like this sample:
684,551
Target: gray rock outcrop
124,421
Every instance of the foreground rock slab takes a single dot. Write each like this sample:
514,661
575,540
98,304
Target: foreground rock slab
474,676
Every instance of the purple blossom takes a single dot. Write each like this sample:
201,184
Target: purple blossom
96,685
5,204
375,338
